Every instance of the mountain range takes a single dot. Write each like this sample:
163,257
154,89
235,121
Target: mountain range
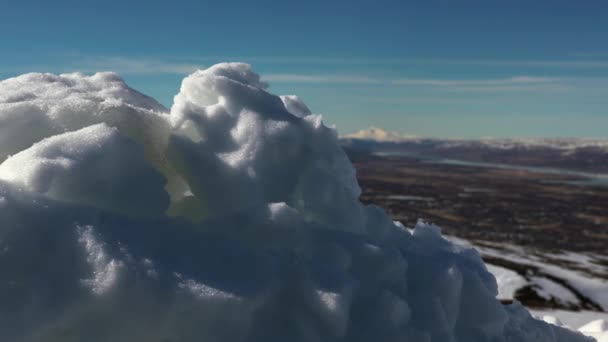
581,154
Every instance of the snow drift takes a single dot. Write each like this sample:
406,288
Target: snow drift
232,217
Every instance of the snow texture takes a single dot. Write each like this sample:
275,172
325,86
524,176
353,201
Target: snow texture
597,329
232,217
508,281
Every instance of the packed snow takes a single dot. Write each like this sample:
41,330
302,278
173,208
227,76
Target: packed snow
232,217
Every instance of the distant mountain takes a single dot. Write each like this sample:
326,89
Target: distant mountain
379,134
562,144
589,155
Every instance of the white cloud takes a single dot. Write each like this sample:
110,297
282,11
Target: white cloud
514,83
516,80
184,65
307,78
128,65
600,62
120,64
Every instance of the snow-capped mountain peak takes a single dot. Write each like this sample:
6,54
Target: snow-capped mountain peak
378,134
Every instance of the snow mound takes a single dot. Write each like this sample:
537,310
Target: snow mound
94,166
233,217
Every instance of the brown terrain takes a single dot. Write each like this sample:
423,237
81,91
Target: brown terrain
519,207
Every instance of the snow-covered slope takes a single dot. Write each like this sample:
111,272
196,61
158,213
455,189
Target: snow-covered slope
571,280
576,282
233,217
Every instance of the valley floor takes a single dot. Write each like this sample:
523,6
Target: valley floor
542,236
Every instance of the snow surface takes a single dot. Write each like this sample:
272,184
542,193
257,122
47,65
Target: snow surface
548,289
597,328
508,281
233,217
571,319
579,276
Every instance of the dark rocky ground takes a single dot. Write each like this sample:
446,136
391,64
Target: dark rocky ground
479,203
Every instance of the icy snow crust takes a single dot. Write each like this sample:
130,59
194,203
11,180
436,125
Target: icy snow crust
233,217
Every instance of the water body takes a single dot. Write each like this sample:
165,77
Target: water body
586,178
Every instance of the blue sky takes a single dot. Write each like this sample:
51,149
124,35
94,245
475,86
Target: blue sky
431,68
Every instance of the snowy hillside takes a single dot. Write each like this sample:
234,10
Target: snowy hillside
576,283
